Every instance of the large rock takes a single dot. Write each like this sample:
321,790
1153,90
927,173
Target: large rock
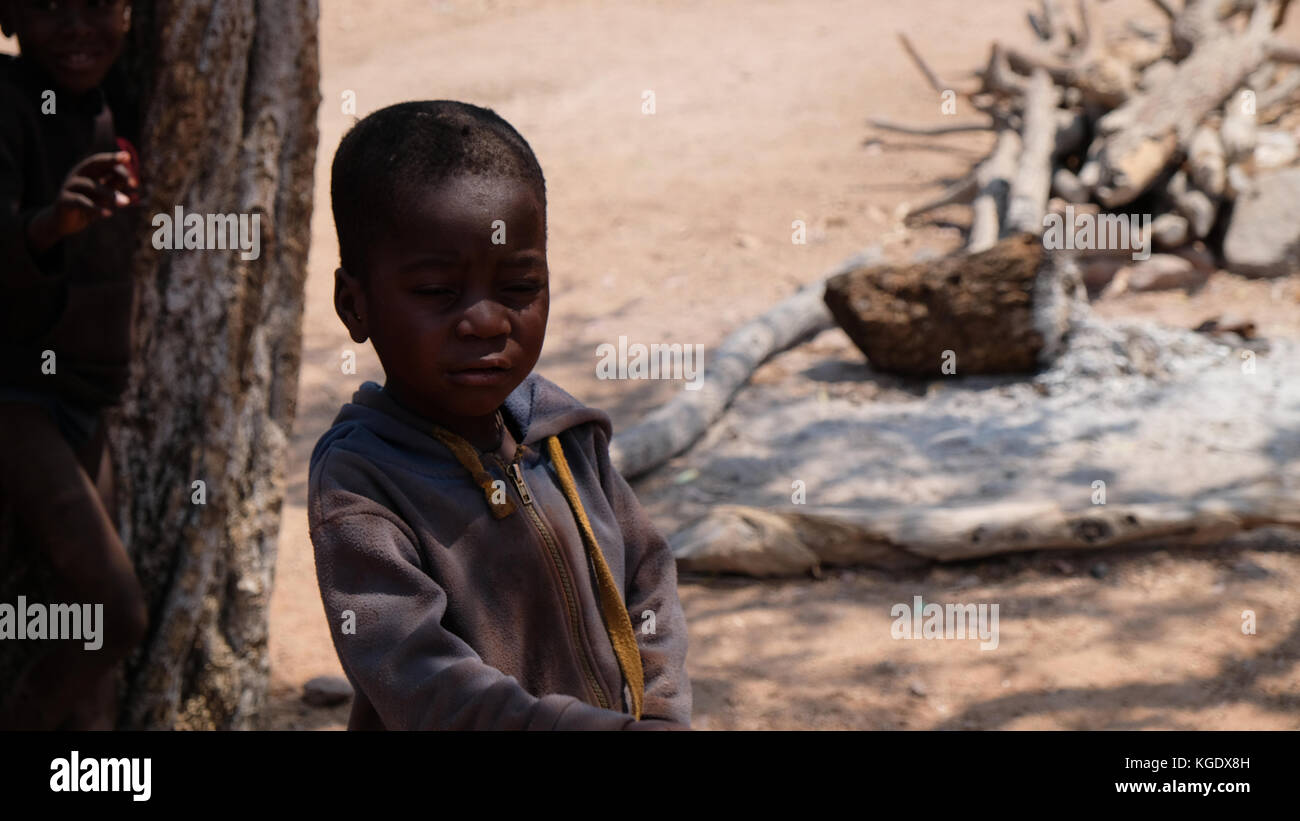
326,691
1263,238
1003,310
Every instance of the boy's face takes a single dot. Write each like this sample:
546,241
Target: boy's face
441,299
75,41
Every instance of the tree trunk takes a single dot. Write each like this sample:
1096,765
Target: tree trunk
230,92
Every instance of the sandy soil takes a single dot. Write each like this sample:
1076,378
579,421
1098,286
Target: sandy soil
676,227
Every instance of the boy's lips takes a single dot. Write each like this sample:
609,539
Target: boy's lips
490,371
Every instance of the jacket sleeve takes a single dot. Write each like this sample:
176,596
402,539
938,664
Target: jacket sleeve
18,266
651,595
385,615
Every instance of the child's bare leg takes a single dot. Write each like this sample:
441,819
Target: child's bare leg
62,513
97,709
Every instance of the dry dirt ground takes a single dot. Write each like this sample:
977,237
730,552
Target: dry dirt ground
675,227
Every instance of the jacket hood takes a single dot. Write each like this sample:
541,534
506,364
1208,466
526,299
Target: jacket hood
536,409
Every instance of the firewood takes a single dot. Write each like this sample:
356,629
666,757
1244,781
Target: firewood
1280,52
1033,180
928,130
1051,25
1101,78
1155,121
1197,23
1206,163
1277,94
998,78
1197,206
1156,74
1085,41
797,540
1164,6
993,180
930,76
1090,174
1067,186
960,192
1239,131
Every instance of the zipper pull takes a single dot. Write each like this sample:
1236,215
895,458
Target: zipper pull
517,474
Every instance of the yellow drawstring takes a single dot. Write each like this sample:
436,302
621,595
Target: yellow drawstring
617,622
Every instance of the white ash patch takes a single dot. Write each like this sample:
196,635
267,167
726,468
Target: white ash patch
1155,413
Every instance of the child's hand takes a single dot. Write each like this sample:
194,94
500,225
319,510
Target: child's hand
95,188
99,184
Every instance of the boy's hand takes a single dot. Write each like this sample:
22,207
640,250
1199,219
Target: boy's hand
95,188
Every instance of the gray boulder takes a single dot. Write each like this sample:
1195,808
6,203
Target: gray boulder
326,691
1263,238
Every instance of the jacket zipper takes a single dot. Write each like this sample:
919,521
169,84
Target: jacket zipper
516,473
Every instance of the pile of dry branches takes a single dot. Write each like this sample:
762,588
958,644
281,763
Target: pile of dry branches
1173,120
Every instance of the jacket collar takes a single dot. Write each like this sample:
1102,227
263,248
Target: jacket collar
536,409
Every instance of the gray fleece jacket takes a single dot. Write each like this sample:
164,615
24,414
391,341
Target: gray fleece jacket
445,617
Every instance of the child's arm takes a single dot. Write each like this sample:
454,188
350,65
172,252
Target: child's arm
416,674
17,265
97,186
651,585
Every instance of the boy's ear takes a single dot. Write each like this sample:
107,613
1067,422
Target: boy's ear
350,304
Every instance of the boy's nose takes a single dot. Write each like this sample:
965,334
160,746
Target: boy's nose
485,318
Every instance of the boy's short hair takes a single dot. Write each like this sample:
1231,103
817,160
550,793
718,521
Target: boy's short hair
386,157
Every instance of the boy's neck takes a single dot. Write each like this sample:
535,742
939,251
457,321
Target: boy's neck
486,433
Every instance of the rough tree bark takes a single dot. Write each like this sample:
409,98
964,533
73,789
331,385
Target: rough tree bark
230,91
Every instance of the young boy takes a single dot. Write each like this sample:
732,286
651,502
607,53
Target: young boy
65,313
482,563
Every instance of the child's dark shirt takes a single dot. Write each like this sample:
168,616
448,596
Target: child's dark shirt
75,299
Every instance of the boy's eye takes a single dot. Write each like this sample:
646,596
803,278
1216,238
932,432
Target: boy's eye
434,291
